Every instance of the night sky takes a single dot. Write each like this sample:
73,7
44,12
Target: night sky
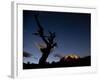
72,34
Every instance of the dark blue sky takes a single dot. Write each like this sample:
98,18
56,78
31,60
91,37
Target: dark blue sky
72,31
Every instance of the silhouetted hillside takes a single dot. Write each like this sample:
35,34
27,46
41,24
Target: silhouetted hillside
86,61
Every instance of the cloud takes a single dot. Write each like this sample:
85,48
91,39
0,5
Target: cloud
26,54
58,55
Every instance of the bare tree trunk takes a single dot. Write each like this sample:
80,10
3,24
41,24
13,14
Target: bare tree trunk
43,59
45,54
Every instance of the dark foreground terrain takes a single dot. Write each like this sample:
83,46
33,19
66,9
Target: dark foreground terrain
86,61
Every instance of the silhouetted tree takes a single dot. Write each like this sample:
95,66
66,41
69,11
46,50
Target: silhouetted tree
49,41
